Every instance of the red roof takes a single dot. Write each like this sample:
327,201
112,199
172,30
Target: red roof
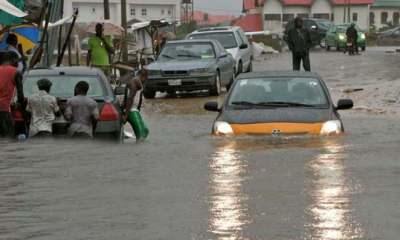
339,2
212,19
297,2
249,4
251,23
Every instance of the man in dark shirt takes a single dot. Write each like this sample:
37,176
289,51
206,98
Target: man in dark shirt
352,35
299,41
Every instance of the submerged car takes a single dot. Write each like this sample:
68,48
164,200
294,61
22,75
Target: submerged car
190,65
64,79
336,37
278,102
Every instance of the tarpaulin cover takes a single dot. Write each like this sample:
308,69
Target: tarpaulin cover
11,12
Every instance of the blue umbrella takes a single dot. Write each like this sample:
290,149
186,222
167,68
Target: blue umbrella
27,36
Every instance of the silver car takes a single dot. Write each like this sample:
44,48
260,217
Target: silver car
190,65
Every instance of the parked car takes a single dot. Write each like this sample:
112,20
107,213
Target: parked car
336,37
84,44
190,65
64,80
234,40
278,102
317,27
392,33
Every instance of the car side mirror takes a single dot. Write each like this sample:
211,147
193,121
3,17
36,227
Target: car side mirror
313,27
344,104
223,55
333,31
243,46
211,106
119,90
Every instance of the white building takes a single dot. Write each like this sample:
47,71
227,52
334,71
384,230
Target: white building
143,10
383,12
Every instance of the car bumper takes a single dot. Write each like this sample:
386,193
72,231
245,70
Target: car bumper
187,83
360,42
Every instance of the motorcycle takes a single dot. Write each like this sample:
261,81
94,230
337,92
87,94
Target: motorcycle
350,47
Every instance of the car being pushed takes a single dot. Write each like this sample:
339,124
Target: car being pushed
64,80
190,65
278,102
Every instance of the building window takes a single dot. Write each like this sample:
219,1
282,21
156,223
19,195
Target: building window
321,16
355,17
371,17
332,17
169,12
133,12
286,17
144,12
303,15
396,16
93,10
162,12
273,17
384,17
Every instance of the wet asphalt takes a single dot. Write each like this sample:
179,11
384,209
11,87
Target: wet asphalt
181,183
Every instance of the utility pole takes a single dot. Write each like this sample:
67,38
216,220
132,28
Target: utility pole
124,36
344,11
106,9
349,11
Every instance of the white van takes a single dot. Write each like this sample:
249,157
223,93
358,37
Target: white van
234,40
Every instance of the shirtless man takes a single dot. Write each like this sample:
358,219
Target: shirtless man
132,114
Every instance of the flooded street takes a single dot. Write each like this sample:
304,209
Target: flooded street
182,183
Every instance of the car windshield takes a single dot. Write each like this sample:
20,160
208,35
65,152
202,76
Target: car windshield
278,92
227,39
324,24
186,51
343,28
63,86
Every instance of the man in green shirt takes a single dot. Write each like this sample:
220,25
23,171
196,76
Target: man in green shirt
99,48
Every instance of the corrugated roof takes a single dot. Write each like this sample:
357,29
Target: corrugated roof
386,4
251,23
212,19
249,4
309,2
355,2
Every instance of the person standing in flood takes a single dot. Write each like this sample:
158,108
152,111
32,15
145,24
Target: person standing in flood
10,79
299,41
99,48
132,114
82,111
43,108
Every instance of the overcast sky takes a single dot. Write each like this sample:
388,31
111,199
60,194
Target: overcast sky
231,7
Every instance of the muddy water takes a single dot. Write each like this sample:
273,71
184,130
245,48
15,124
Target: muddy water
181,183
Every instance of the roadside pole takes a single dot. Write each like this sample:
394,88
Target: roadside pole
106,9
344,11
124,35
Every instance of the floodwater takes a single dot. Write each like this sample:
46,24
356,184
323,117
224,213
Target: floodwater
182,183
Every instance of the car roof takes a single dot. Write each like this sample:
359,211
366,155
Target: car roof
283,73
217,29
196,40
53,71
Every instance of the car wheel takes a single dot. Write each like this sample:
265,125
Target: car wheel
216,90
250,69
229,85
322,42
149,94
363,48
240,69
337,47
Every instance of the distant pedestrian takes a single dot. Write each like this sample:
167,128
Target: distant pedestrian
299,41
132,114
99,49
352,35
12,45
10,78
161,45
44,109
82,112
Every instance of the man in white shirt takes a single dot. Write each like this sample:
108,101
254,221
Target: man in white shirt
12,41
44,108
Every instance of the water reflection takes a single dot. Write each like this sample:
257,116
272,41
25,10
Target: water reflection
332,189
227,199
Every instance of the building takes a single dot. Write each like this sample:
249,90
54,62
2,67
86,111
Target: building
383,12
276,13
208,19
142,10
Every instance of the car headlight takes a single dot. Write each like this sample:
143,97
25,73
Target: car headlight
341,37
331,127
154,73
222,128
201,71
363,36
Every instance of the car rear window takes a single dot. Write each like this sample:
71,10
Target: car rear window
297,90
63,86
343,28
227,39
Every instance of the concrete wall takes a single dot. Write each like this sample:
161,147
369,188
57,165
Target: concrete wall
321,6
272,7
296,10
378,10
362,15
